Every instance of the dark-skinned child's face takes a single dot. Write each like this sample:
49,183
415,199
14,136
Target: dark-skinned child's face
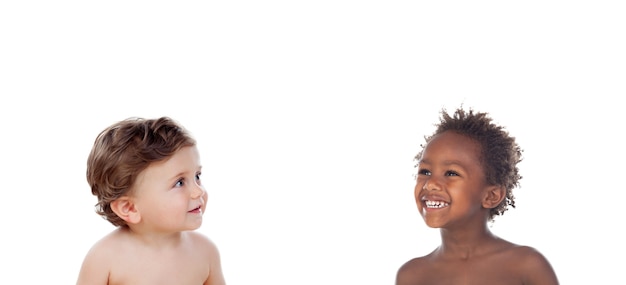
451,182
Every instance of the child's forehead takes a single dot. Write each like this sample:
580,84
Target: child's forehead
182,156
451,144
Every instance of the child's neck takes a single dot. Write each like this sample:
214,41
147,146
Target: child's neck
155,238
466,243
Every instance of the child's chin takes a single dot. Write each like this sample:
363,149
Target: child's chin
194,226
433,224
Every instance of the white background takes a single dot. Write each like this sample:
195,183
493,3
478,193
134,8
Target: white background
308,115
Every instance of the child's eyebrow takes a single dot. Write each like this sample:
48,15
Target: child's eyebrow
175,177
445,162
182,173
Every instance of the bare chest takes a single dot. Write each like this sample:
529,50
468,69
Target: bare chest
184,270
469,273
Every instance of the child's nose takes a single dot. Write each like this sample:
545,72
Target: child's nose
432,184
197,191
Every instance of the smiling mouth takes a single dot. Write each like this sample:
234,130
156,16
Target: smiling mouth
196,210
435,204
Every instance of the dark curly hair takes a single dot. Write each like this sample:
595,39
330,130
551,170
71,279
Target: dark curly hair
123,150
500,154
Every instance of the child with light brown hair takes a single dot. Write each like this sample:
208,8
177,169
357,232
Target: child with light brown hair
146,176
465,176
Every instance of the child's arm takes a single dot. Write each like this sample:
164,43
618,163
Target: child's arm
92,271
216,277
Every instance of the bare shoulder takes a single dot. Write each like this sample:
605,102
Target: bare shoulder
208,250
410,272
202,242
527,256
533,265
96,265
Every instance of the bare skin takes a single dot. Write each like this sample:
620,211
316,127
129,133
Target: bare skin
182,258
452,194
485,260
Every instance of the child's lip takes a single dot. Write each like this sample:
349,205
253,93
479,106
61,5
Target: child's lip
434,198
199,208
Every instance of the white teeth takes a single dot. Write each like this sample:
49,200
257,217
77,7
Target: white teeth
435,204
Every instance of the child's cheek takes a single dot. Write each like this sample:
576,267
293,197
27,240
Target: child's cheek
205,198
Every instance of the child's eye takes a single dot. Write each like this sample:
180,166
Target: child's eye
451,173
198,176
423,172
179,183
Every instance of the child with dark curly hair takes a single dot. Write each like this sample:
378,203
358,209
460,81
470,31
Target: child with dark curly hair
146,176
466,172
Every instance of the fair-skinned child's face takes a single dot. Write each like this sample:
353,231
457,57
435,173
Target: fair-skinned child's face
450,182
169,194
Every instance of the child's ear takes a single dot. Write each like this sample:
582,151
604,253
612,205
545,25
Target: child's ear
493,196
124,208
